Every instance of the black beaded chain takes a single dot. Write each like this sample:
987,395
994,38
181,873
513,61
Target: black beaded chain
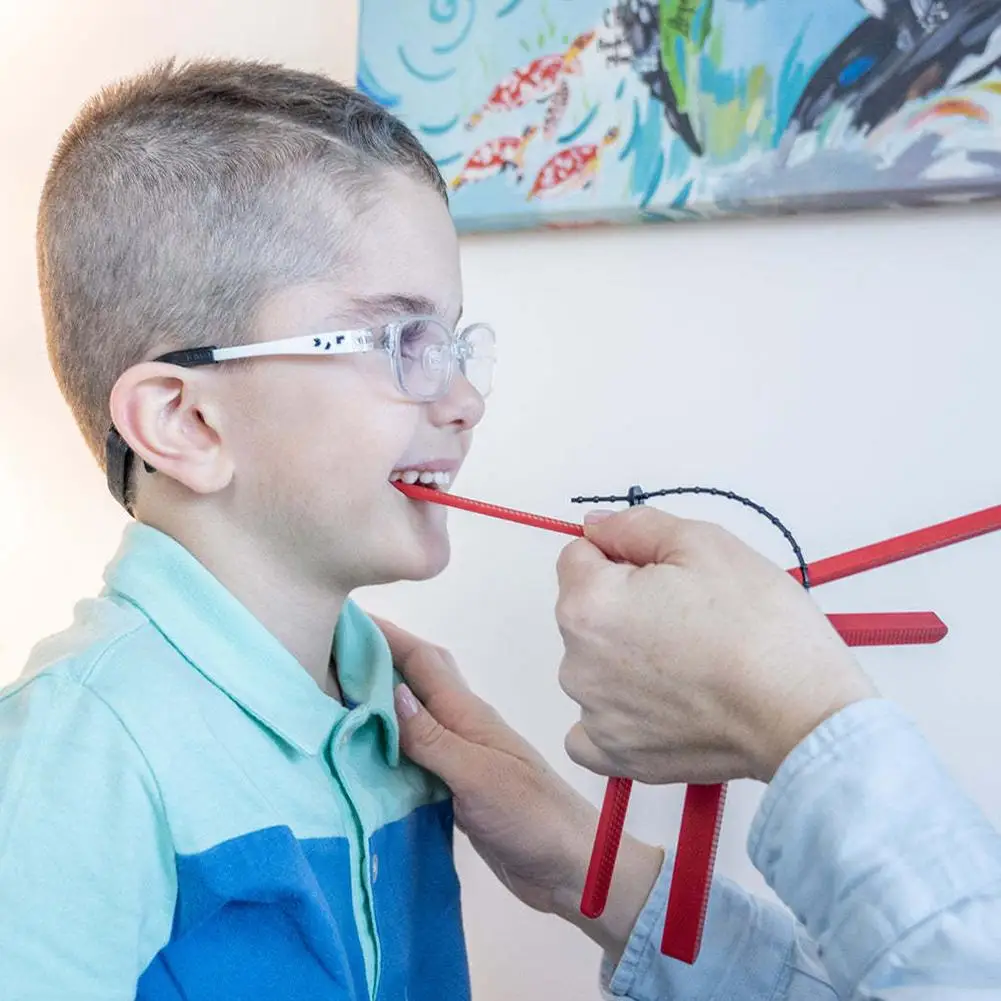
637,495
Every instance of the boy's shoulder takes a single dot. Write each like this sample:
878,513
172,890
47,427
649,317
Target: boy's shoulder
111,661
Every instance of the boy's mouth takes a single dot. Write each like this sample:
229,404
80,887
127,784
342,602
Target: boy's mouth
435,479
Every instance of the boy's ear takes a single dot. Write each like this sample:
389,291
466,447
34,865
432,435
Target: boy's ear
170,420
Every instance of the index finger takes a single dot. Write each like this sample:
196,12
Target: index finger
578,561
641,536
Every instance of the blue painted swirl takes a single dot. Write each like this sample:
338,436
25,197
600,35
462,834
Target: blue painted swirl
370,87
421,74
443,50
655,177
634,134
446,160
443,12
681,198
581,128
439,130
508,7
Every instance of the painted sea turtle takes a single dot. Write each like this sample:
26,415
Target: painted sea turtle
542,80
571,169
495,157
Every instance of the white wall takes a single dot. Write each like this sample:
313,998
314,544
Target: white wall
841,370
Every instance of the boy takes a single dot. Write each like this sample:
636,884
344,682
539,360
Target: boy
201,795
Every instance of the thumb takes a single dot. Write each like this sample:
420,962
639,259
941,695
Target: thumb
431,745
639,536
584,752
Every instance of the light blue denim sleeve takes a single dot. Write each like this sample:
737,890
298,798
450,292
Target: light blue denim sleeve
892,873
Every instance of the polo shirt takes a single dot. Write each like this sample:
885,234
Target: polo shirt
185,814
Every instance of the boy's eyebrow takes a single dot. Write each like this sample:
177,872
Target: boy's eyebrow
394,304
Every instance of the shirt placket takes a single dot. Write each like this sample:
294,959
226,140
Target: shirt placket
364,864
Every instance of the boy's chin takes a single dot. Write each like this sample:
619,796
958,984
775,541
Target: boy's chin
426,560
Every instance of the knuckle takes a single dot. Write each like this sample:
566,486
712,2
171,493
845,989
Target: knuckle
433,733
567,678
576,745
577,608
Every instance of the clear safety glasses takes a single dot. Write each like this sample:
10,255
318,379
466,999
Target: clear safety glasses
424,353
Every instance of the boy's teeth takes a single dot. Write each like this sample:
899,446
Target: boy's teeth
424,477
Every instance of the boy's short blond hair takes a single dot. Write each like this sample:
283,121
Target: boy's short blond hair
180,198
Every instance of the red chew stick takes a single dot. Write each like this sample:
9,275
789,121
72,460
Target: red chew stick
415,492
702,816
691,880
903,547
864,629
606,847
889,628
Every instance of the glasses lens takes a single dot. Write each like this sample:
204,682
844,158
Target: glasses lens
424,357
477,356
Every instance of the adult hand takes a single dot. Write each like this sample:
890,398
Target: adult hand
692,657
529,825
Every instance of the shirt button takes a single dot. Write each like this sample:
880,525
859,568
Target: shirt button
375,868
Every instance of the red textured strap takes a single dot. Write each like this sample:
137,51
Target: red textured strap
416,492
691,880
903,547
702,816
606,847
889,628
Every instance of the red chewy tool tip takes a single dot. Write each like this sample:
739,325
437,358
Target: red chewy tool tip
415,492
691,880
606,842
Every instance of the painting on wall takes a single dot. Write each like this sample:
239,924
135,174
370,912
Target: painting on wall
565,112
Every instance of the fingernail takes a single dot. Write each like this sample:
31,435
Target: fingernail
407,705
593,517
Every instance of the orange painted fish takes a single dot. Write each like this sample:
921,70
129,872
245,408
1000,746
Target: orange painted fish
495,157
543,79
950,108
572,169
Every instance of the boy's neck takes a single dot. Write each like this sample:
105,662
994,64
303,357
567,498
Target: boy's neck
301,616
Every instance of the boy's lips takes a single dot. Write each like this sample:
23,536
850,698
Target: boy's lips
436,474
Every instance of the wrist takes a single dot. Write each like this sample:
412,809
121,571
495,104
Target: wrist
637,868
785,737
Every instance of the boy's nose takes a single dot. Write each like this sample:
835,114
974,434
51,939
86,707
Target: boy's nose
461,405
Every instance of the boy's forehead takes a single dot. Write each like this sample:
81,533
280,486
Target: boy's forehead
402,259
407,246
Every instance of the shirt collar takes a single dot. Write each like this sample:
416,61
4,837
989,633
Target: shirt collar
232,649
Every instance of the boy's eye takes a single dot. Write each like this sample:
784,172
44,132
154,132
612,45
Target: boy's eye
413,332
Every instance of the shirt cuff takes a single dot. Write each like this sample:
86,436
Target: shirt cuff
864,835
746,950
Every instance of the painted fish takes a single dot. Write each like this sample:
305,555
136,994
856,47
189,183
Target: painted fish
541,80
572,169
953,107
495,157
